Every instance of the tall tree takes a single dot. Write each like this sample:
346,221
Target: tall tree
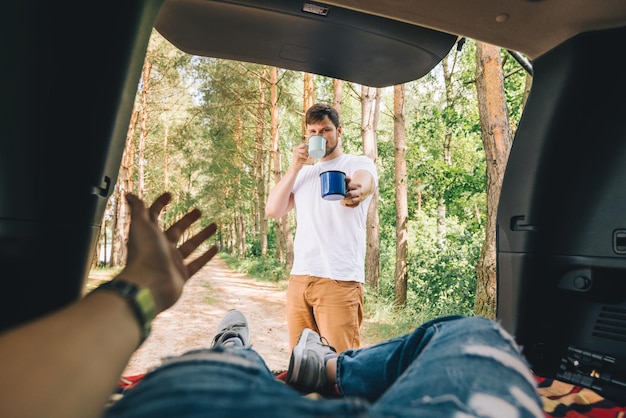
370,105
337,94
121,219
308,99
276,168
143,132
166,135
240,227
447,144
259,163
497,139
402,210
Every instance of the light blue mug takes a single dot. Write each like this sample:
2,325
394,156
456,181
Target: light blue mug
317,146
333,185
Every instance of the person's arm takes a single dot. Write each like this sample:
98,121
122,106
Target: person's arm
67,364
360,186
280,200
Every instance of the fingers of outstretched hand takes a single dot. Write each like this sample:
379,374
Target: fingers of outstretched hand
353,196
350,202
200,261
136,205
158,205
174,232
194,242
185,249
138,208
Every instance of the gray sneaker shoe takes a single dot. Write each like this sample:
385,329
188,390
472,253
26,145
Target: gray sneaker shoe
233,328
307,366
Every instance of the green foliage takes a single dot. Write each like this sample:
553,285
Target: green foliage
514,82
262,269
441,272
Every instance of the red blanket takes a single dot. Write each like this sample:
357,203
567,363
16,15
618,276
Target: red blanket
566,400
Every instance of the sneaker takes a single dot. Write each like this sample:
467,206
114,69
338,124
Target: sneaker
307,366
233,326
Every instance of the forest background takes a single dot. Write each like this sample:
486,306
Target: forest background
218,135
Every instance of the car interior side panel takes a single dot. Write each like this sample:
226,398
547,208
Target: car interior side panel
63,135
562,217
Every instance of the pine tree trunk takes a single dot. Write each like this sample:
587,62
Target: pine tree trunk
497,139
402,209
370,102
143,132
121,221
240,230
259,164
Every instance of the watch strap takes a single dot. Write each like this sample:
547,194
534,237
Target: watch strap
140,300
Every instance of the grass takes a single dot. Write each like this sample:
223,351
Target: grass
383,321
265,270
210,298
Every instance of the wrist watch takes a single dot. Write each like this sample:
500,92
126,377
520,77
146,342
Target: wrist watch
140,300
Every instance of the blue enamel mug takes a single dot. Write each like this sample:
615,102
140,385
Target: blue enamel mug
333,185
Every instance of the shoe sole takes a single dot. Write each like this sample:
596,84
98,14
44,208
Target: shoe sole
299,356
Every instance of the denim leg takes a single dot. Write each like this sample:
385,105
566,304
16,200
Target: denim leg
223,382
452,366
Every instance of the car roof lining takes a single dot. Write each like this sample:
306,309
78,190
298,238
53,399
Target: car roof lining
543,23
280,33
283,35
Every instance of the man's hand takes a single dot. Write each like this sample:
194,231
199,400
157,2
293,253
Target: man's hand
299,157
358,187
154,260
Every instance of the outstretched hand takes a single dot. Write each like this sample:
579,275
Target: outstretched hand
358,187
154,261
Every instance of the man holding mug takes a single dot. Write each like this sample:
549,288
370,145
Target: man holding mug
325,291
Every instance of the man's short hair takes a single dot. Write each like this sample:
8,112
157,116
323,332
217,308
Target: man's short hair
319,111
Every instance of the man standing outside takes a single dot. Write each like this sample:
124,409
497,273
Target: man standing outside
325,291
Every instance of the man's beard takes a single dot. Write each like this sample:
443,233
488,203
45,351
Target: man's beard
331,150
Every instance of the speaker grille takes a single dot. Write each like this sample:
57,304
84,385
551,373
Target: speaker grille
611,324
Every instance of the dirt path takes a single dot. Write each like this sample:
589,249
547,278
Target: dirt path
192,322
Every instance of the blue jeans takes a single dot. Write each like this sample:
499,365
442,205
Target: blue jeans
450,367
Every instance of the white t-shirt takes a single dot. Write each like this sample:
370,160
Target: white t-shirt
330,238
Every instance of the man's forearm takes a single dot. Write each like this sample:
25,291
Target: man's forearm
73,358
279,199
366,179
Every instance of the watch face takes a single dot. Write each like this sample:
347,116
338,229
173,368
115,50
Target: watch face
145,300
